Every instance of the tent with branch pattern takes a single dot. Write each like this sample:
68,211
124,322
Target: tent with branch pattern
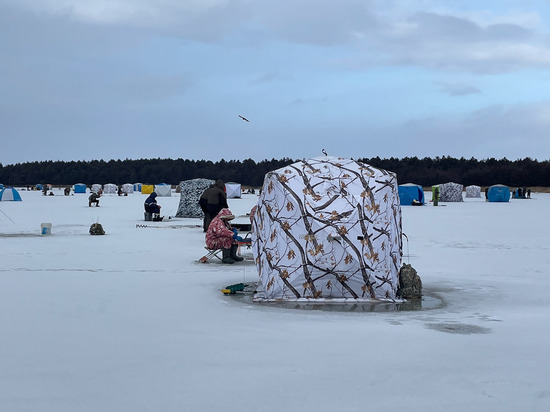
328,228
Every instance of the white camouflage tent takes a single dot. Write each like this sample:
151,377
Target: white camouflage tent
96,187
473,191
328,228
450,192
190,193
127,188
110,188
233,190
163,190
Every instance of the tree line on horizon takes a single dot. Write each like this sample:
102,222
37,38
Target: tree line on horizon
425,172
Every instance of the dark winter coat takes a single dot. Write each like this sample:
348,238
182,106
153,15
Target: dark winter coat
151,205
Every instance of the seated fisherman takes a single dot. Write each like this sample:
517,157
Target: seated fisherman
220,235
151,206
94,198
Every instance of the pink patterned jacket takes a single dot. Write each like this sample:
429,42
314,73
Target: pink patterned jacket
219,234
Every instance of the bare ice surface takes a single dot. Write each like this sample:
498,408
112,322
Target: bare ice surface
131,321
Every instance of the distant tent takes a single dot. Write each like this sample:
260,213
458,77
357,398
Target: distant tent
39,187
147,189
80,188
1,186
233,190
110,188
9,194
163,189
190,193
96,187
137,187
409,193
498,193
473,191
127,188
450,192
328,228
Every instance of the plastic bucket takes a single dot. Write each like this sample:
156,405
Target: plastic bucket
45,229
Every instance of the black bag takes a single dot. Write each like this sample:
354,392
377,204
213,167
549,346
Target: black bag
96,229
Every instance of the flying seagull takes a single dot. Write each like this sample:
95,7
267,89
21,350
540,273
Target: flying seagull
244,118
324,152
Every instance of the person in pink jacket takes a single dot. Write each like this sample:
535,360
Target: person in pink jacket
220,235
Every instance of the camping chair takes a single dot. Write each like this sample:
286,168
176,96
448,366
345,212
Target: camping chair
212,253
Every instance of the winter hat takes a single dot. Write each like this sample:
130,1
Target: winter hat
226,214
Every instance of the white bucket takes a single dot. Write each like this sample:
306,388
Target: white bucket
45,229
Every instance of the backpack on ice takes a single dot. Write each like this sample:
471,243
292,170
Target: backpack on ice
96,229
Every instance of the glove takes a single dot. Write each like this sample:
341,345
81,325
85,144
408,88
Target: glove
235,233
238,238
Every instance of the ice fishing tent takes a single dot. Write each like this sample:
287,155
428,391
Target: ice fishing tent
233,190
80,188
137,187
110,188
410,192
39,186
473,191
163,189
190,193
96,187
147,189
498,193
328,228
127,188
9,194
450,192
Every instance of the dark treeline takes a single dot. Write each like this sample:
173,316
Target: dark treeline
425,171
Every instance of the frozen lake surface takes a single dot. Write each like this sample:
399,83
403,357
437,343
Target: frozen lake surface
131,321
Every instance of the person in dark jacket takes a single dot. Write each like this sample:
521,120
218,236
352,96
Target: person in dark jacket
151,206
94,198
216,199
203,202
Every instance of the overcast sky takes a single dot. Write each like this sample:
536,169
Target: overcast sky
118,79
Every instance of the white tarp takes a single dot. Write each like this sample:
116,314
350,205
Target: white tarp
233,190
450,192
163,189
473,191
328,228
190,193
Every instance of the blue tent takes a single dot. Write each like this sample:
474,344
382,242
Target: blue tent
498,193
137,187
9,193
80,188
410,192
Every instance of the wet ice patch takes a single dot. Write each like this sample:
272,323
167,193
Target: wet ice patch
457,328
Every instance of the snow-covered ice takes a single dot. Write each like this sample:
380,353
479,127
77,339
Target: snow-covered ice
131,321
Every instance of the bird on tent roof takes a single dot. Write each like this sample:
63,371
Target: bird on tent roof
324,152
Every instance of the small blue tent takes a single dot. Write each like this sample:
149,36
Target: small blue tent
80,188
137,187
498,193
9,193
410,192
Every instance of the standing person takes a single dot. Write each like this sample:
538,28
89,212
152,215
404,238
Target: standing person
220,235
216,199
203,203
151,206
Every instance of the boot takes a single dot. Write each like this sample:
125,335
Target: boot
227,256
234,255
